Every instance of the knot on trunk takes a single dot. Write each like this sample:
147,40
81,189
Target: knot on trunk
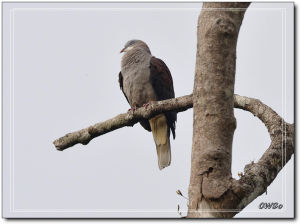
224,26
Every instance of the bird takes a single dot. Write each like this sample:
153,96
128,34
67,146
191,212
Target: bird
143,79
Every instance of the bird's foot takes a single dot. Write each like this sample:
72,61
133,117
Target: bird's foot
132,109
146,105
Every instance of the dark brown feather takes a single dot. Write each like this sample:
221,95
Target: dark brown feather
162,82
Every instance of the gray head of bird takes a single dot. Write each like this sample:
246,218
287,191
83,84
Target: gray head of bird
134,44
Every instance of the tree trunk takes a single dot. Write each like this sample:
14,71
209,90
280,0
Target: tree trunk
214,121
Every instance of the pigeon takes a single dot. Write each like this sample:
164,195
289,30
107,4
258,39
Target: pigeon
143,79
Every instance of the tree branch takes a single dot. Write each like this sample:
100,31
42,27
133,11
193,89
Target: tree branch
84,136
258,176
179,104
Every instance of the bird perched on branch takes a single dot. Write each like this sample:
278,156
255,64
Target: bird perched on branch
144,78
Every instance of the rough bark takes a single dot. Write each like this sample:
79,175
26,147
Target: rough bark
214,121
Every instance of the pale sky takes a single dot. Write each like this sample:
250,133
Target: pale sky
61,65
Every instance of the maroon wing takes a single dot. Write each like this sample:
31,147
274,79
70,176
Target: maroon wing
162,82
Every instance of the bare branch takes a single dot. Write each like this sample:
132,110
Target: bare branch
84,136
179,104
258,176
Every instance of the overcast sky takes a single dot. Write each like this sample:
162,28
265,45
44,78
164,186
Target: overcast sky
65,62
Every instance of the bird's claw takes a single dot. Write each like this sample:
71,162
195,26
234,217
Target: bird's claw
132,109
146,105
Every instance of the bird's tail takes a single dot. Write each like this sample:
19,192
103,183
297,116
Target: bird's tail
159,128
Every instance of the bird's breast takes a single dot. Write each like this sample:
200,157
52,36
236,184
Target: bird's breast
137,86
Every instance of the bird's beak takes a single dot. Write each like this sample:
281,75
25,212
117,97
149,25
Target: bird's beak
123,50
